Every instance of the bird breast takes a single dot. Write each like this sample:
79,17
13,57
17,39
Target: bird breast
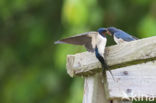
101,43
118,40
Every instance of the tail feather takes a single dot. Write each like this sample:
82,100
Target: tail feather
105,66
103,63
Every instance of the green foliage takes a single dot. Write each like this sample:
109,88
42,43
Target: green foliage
148,24
32,68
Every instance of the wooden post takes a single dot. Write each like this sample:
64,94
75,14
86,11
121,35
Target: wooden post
133,65
94,91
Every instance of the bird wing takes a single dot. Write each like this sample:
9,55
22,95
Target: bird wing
134,37
125,36
80,39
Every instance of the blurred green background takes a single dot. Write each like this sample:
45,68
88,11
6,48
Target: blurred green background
32,68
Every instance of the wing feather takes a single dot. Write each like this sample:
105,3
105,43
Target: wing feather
125,36
84,39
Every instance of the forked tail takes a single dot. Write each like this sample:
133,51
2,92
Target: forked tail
106,67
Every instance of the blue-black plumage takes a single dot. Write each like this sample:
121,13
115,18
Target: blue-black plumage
120,36
100,56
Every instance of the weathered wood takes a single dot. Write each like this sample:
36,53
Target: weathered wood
117,56
135,78
135,82
94,91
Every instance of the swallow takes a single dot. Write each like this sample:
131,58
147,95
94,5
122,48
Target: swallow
94,41
120,36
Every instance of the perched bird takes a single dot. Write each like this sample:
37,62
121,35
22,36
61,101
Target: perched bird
119,35
93,42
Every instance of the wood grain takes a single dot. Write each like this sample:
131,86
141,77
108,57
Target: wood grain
94,91
117,56
135,81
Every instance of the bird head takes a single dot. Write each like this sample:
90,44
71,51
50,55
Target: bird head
102,31
111,30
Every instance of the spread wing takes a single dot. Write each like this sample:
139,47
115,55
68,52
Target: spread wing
80,39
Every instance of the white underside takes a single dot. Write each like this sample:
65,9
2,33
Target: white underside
118,41
101,43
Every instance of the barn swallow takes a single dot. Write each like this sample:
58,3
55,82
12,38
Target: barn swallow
119,35
93,42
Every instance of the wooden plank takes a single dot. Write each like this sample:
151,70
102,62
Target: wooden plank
135,82
94,91
117,56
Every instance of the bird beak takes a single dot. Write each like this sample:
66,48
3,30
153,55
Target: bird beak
104,33
109,33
